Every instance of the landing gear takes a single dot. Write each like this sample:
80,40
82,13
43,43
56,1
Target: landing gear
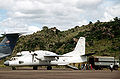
35,67
49,68
13,68
115,67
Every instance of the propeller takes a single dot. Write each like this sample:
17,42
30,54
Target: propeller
33,56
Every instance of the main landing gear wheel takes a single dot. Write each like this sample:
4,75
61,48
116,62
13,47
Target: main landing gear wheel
49,68
35,67
13,68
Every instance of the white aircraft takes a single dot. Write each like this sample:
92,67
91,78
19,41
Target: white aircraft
47,58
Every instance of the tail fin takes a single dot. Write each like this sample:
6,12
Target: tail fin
80,47
8,43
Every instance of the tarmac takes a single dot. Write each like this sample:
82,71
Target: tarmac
6,73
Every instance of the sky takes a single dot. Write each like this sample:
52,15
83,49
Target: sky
31,15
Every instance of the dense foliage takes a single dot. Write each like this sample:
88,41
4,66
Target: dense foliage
101,37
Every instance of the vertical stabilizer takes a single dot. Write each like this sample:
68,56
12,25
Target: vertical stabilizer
80,47
7,44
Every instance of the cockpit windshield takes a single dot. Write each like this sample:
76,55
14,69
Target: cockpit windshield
12,59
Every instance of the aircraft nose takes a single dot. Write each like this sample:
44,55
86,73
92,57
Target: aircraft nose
6,63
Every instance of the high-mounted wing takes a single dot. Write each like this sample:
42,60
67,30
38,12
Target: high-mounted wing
89,54
56,56
50,57
3,55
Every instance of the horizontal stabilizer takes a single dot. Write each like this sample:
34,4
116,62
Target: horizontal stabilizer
89,54
56,56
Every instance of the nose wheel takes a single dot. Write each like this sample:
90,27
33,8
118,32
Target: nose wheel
49,68
35,67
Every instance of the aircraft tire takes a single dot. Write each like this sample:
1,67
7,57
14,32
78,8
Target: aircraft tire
49,68
13,68
35,68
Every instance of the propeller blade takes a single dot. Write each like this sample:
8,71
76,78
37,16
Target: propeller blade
33,56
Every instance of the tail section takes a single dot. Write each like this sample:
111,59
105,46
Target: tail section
7,44
79,49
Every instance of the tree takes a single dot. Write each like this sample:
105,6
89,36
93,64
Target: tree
90,22
116,19
45,28
98,21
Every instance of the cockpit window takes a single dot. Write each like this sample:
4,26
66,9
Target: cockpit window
12,59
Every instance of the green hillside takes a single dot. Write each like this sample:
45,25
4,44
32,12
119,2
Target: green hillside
101,37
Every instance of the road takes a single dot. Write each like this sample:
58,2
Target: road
58,74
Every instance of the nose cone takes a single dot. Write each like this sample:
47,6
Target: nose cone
6,63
